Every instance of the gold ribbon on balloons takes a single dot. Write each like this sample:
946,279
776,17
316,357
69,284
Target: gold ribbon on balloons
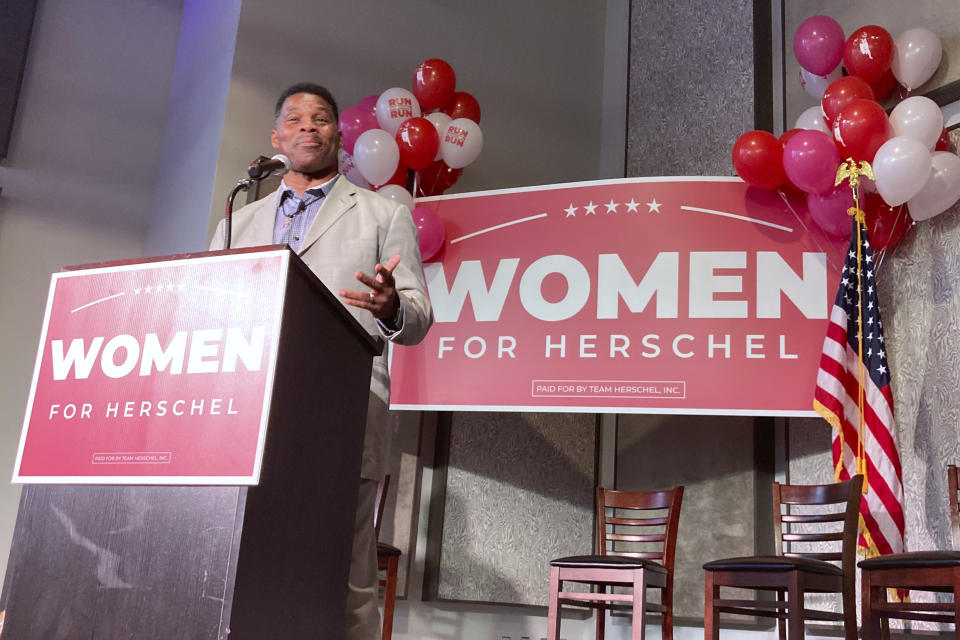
851,171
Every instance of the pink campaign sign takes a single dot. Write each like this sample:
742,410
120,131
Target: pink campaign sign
155,373
648,295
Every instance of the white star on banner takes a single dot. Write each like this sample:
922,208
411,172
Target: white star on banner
591,209
632,206
611,206
654,206
571,211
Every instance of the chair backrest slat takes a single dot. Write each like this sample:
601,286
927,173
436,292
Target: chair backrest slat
624,519
803,515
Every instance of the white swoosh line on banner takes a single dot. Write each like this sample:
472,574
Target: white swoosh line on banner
737,217
498,226
90,304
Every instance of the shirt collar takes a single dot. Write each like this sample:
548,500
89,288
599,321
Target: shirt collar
318,190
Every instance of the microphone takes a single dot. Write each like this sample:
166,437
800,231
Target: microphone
264,167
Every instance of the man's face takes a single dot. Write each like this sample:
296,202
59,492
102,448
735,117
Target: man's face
307,133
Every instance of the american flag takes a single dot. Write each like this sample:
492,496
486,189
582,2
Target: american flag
853,394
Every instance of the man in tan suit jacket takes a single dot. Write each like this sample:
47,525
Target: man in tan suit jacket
364,248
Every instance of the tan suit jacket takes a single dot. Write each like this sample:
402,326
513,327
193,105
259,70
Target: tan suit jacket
354,230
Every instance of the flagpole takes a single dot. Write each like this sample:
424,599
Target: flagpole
851,171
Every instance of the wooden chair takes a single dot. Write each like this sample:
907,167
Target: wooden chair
936,571
642,519
796,569
388,559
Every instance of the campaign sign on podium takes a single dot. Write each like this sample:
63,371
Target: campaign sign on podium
155,372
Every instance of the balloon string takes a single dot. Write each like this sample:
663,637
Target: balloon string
796,215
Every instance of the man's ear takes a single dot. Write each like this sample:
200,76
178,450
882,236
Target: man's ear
273,139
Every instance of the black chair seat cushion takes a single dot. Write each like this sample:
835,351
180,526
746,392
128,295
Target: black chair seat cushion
911,559
773,563
384,549
608,562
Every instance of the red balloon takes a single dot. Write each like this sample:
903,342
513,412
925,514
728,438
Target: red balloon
868,53
944,143
462,105
433,83
886,225
436,178
860,129
883,87
841,92
758,158
418,141
399,176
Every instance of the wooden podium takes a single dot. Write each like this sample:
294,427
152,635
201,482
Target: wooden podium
268,560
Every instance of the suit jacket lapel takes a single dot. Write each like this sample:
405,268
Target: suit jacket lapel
340,200
260,230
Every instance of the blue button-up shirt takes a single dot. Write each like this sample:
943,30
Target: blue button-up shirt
295,213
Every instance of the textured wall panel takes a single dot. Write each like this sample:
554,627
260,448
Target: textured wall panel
691,86
717,515
519,493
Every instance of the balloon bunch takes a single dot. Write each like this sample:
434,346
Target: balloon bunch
432,130
916,174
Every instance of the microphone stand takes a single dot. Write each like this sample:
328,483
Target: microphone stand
242,185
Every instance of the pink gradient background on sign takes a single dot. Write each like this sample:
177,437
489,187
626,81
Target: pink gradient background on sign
215,295
734,385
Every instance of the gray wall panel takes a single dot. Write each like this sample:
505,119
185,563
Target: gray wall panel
519,493
717,515
691,86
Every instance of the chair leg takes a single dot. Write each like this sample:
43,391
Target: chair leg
389,598
601,615
711,618
553,609
639,622
956,603
795,607
666,622
869,594
849,603
781,622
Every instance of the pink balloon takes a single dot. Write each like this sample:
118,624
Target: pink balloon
369,104
353,122
818,44
811,160
429,231
829,210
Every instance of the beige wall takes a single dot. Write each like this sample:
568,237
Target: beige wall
535,67
78,181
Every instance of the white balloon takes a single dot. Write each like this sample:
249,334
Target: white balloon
918,117
398,194
916,56
815,85
376,155
901,168
814,119
394,107
461,143
440,120
348,167
941,190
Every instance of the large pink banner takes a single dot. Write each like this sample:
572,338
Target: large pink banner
648,295
155,373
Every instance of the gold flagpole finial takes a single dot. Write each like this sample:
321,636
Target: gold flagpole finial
851,171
